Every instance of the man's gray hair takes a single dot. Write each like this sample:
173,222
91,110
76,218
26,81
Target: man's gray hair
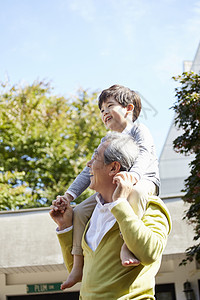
121,148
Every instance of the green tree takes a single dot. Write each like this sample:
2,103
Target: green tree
45,141
187,110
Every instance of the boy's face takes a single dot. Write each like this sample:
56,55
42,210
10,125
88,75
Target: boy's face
113,115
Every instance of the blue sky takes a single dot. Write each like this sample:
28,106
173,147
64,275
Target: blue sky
93,44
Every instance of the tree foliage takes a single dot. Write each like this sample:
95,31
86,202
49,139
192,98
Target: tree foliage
45,141
187,110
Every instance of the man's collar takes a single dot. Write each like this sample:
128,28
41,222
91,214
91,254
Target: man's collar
101,201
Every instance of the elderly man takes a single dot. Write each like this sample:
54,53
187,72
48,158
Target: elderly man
104,277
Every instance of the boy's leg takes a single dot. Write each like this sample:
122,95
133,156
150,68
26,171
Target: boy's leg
127,257
138,200
82,213
76,273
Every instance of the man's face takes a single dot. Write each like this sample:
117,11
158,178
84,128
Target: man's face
99,171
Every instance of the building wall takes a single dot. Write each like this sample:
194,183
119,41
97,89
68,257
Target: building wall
16,284
170,272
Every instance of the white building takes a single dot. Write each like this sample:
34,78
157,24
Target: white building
31,263
174,169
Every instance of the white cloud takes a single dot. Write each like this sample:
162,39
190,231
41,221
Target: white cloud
169,65
84,8
193,23
129,14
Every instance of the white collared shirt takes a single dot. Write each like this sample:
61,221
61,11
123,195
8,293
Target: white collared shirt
101,222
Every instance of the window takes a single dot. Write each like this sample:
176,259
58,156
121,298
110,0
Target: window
56,296
165,291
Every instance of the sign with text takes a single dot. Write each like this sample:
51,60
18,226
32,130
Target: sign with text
43,287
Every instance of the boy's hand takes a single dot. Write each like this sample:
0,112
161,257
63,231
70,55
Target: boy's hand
62,219
130,176
124,185
61,202
68,197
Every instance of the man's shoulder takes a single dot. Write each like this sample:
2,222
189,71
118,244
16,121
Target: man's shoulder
155,201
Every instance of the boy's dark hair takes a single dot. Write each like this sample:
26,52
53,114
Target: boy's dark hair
123,96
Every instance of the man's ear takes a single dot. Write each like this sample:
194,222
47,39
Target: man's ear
115,168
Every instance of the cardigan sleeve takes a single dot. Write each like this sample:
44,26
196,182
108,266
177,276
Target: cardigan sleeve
145,238
65,240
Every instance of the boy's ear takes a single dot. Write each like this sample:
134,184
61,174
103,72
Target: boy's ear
115,168
130,107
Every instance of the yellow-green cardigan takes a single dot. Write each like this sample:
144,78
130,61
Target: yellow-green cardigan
103,275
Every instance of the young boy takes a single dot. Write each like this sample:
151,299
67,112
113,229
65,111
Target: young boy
120,107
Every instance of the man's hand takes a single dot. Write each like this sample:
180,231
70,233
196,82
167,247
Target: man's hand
62,213
124,182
